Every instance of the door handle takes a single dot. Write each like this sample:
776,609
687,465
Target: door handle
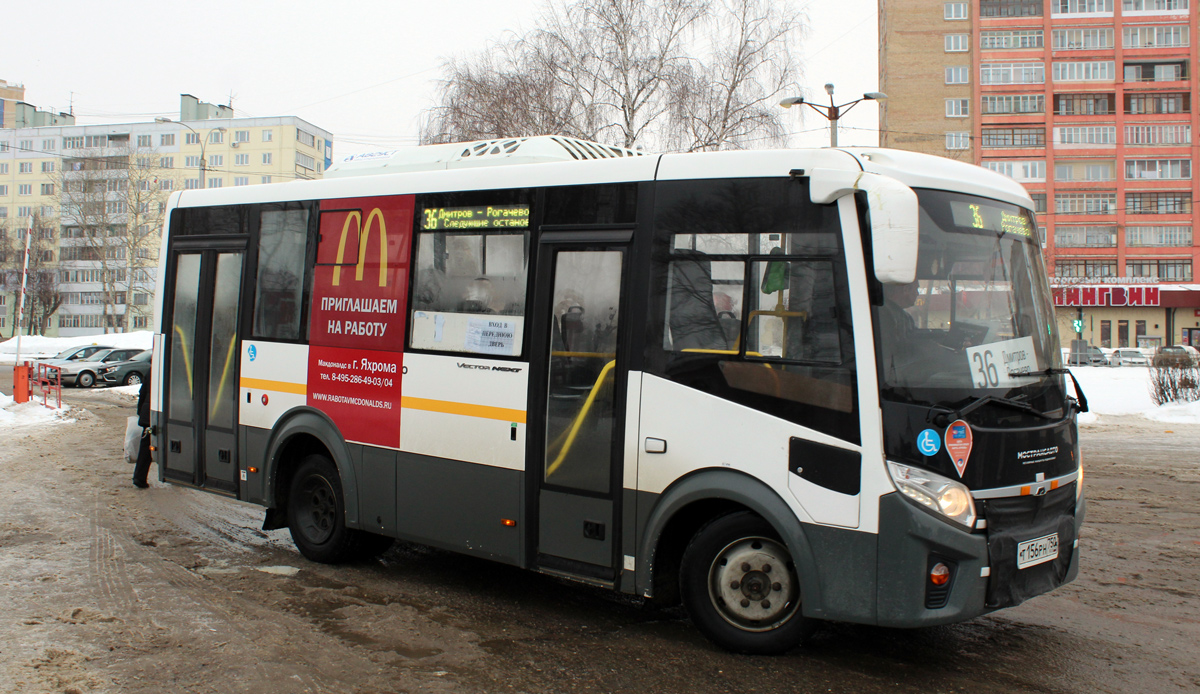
655,445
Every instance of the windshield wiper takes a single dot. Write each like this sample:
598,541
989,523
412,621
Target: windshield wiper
1081,401
945,416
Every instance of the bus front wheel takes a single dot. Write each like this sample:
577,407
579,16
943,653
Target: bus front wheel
741,588
317,513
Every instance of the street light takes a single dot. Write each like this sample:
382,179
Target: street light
831,112
203,143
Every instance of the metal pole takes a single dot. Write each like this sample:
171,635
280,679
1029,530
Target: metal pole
24,282
833,119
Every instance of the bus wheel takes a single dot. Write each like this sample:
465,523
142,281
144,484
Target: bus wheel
317,513
740,586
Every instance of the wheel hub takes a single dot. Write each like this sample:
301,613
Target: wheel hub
752,585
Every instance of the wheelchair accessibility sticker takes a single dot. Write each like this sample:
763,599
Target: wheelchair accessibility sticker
929,442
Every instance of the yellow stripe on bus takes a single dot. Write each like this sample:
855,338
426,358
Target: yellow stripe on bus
462,408
277,386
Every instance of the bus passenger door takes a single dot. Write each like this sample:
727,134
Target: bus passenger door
199,438
576,406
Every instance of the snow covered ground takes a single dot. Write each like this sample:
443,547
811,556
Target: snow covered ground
32,413
37,347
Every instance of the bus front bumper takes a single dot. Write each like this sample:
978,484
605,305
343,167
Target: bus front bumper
983,577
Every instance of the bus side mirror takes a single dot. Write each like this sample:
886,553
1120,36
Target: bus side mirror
894,217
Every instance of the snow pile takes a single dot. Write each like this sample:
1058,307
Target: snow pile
1126,391
32,413
38,347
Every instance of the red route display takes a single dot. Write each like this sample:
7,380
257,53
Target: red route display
357,328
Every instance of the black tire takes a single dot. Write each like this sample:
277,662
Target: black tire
740,586
133,379
85,380
317,513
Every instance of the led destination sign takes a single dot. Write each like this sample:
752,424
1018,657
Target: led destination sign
977,216
485,217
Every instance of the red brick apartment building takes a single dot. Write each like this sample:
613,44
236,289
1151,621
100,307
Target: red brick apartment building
1092,105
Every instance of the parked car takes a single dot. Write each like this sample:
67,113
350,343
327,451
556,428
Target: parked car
127,373
1129,356
1087,356
73,354
83,373
1176,355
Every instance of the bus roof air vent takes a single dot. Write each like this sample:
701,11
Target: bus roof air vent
520,150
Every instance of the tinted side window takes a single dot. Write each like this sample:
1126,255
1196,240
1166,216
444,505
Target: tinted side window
279,289
750,289
202,221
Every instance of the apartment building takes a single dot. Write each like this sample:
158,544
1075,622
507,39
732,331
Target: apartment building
1091,105
95,197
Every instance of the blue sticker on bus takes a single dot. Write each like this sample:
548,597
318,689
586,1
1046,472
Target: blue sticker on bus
252,352
929,442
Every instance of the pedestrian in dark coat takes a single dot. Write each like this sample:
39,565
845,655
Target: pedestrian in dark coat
141,469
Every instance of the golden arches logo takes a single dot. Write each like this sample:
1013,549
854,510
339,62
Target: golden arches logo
363,235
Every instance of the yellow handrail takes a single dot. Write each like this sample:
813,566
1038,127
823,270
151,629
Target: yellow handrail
578,423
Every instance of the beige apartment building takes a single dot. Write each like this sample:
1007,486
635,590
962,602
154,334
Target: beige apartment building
95,197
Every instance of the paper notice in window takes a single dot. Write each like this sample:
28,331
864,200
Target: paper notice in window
1002,364
491,336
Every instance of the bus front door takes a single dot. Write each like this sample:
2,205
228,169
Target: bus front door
577,407
198,445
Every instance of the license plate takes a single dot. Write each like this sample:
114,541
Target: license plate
1037,551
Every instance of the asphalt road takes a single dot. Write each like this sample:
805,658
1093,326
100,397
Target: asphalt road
104,588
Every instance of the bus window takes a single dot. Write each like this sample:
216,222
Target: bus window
469,287
278,293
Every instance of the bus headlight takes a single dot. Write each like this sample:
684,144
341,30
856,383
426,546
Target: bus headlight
941,495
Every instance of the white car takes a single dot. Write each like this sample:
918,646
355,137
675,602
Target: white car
1129,355
83,373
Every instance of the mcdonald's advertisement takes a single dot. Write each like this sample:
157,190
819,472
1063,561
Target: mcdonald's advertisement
356,333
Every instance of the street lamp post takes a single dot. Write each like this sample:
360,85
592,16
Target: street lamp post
831,112
203,143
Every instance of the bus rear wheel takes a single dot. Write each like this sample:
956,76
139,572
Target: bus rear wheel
317,513
740,586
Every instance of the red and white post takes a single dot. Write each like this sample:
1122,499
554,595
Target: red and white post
21,371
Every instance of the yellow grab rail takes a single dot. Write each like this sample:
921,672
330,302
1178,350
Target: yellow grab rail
578,423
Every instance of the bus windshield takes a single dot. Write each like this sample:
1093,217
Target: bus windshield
978,319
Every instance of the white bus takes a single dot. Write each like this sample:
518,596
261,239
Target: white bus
781,386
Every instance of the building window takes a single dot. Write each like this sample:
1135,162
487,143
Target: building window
3,191
1081,6
1081,39
1085,237
1085,71
1173,202
958,108
166,162
145,141
958,43
241,160
1085,203
1086,135
47,189
191,162
191,183
241,135
191,138
1174,102
266,179
306,138
215,137
305,162
48,145
1013,38
958,140
267,135
4,168
267,157
1167,269
1153,5
166,140
1176,169
1173,236
1155,72
1154,37
1014,103
25,167
47,167
954,11
216,160
1012,73
1172,134
166,184
1083,104
1013,137
73,142
1039,202
215,183
25,189
958,75
1103,267
1010,8
26,145
95,140
1029,170
241,180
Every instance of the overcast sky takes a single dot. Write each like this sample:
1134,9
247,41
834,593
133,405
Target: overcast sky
362,70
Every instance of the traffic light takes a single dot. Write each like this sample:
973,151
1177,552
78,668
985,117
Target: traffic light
1078,322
